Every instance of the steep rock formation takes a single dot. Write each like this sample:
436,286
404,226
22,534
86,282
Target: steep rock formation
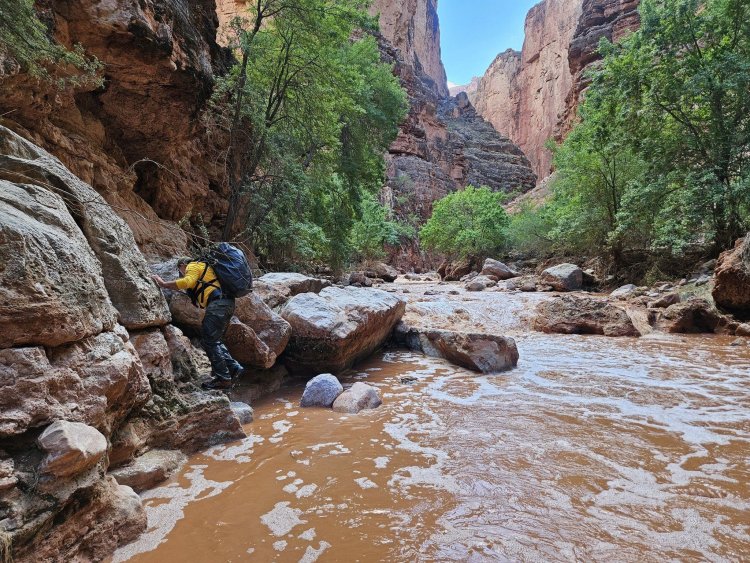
412,26
84,346
524,94
131,139
532,96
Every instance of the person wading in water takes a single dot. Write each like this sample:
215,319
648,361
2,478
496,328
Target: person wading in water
201,284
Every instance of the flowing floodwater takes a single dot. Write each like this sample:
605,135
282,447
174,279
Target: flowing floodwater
594,448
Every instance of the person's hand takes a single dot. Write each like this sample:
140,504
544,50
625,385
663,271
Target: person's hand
157,279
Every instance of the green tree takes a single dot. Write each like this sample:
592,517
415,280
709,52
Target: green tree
374,230
470,222
25,39
309,112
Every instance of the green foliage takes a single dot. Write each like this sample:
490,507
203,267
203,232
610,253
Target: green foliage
24,38
529,229
658,167
375,229
470,222
310,113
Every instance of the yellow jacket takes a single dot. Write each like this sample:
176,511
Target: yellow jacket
192,282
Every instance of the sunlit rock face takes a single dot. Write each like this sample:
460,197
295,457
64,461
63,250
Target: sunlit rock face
532,95
412,26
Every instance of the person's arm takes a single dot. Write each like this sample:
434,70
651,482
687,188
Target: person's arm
165,284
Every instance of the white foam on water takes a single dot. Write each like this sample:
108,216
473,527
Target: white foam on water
307,535
280,545
163,517
306,491
238,451
381,462
311,554
282,519
365,483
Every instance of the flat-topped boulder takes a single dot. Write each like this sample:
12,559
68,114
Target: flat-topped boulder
486,353
277,288
570,314
150,469
339,326
563,277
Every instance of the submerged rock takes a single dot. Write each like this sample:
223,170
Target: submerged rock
321,391
339,326
583,315
564,277
358,397
242,411
150,469
71,448
486,353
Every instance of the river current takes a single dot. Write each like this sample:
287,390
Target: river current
592,449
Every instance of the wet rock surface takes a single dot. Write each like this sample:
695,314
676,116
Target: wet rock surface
583,315
731,289
150,469
358,397
335,328
321,391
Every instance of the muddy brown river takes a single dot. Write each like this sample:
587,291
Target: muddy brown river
592,449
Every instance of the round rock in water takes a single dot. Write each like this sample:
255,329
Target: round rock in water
359,397
321,391
243,411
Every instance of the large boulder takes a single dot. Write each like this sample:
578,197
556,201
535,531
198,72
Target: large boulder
498,270
51,285
485,353
256,336
583,315
563,277
358,397
70,448
454,271
339,326
694,315
321,391
97,381
125,274
277,288
731,289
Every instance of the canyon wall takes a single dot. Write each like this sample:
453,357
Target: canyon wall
138,140
532,96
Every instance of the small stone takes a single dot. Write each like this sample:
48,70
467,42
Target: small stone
71,447
703,280
407,379
243,411
321,391
359,397
738,342
624,291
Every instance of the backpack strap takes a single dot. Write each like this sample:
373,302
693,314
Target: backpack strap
197,294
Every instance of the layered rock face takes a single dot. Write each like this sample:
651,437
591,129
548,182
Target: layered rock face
91,373
532,96
131,140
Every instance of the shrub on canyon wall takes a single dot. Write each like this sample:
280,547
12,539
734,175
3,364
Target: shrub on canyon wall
469,222
26,41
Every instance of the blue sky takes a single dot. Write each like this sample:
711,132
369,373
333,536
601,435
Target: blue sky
473,32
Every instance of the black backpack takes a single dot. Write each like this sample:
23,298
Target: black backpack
231,268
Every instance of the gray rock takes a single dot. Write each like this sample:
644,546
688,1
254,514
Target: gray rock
51,285
703,279
624,291
321,391
498,270
382,271
339,326
743,330
665,301
126,275
358,397
563,277
150,469
359,279
71,448
278,287
243,411
479,283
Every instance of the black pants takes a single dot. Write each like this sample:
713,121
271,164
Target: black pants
218,314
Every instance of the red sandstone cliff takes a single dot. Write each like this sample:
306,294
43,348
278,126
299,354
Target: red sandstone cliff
532,96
